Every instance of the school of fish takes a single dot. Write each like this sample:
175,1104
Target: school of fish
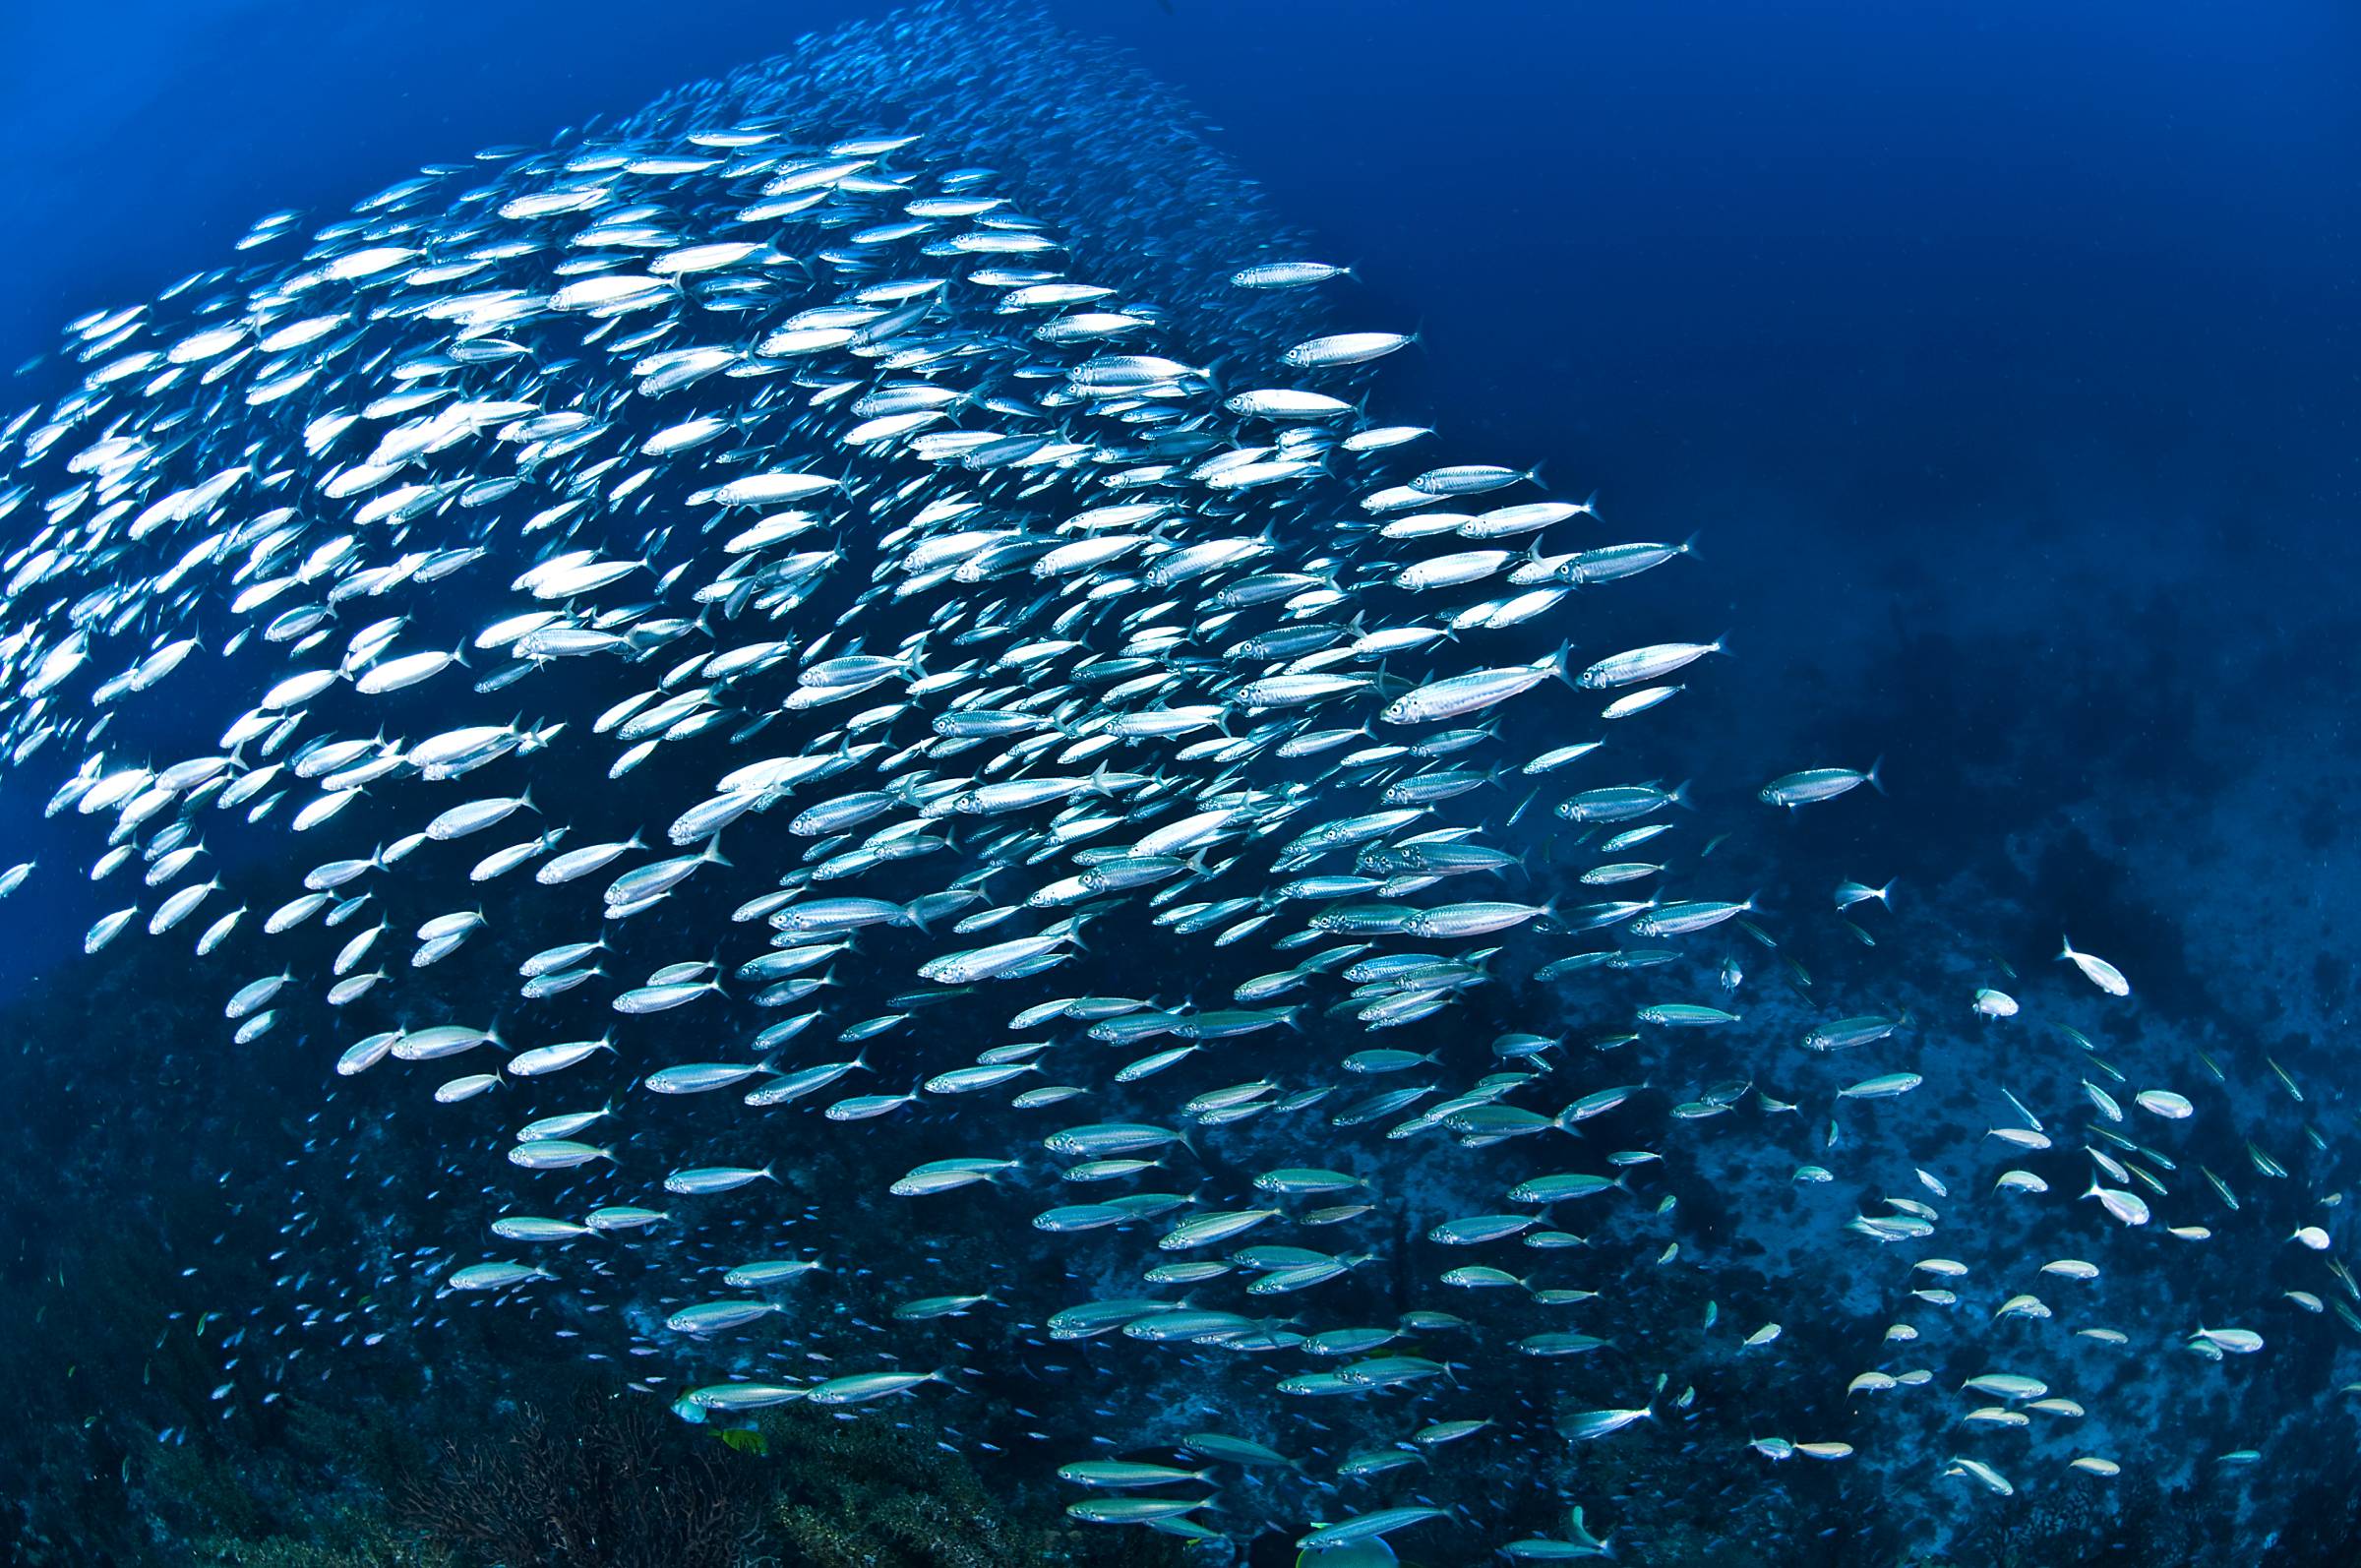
924,795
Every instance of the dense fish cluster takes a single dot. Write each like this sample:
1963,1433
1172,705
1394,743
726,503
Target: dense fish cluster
836,683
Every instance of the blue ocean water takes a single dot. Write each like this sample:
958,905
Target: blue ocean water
2000,360
1987,324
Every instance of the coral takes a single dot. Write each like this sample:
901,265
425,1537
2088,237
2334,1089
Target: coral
2137,1521
351,1540
611,1484
871,1492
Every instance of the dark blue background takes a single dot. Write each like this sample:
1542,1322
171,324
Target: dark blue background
2006,356
1850,274
1988,345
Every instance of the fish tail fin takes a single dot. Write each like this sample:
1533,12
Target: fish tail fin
1876,782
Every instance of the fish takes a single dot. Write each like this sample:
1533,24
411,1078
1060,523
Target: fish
951,591
1882,1087
2105,976
1815,784
1590,1425
1645,665
495,1275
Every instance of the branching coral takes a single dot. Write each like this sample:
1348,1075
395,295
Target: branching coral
612,1483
